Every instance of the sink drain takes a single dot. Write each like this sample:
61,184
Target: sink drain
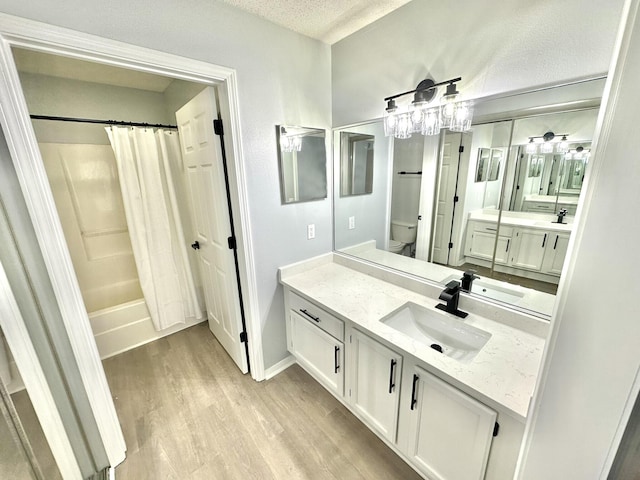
436,347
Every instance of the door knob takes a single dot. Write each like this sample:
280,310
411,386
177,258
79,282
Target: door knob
195,245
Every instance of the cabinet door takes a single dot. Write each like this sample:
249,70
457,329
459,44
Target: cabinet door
555,253
529,249
374,377
480,241
502,250
450,433
317,352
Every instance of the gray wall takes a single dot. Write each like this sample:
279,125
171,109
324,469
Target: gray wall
283,78
494,46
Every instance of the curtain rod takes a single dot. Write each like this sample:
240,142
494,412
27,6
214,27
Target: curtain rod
102,122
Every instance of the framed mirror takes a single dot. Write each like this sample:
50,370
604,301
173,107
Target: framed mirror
356,163
302,162
478,200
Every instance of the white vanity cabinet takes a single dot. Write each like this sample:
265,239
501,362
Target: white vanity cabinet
481,238
448,433
373,382
315,338
555,253
528,249
540,250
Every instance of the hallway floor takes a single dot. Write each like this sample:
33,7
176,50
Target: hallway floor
188,413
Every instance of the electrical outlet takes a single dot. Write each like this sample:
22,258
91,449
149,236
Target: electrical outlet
311,231
352,223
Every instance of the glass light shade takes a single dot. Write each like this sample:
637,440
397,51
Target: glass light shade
546,147
532,147
290,143
462,116
416,115
563,146
390,120
431,121
447,110
403,127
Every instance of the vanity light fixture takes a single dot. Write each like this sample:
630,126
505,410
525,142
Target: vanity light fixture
289,143
546,144
423,117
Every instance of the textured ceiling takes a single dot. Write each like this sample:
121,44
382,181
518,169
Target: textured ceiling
326,20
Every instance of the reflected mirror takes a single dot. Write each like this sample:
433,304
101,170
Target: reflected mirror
302,162
480,200
356,163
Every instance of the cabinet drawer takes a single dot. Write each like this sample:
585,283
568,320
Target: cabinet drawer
492,228
315,314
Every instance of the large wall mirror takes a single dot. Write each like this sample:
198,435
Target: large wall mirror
302,160
500,199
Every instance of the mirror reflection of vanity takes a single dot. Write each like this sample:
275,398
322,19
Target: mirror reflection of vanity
484,200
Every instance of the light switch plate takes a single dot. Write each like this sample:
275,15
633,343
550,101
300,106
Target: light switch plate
352,223
311,231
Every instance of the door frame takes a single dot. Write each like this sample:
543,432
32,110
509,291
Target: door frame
23,146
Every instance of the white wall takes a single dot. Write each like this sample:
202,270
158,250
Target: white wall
590,377
283,78
494,46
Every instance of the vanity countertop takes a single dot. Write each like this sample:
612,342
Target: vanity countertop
517,221
504,371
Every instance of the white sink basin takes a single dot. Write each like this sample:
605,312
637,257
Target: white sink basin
490,290
431,327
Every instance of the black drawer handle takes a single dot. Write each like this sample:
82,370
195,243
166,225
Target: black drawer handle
336,359
414,391
392,376
544,240
507,249
555,244
315,319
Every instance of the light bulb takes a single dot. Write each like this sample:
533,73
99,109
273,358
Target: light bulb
403,127
431,122
461,117
563,146
546,147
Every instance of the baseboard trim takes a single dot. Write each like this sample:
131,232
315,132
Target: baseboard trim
279,367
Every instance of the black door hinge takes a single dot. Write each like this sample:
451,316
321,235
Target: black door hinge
232,243
243,339
461,149
456,199
217,127
496,429
450,245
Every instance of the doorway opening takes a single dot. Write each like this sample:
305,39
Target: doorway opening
70,101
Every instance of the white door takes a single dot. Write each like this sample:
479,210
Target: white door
374,383
202,158
446,192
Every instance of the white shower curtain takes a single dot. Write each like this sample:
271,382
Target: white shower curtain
144,159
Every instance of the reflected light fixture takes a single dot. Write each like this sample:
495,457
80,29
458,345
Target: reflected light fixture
545,144
425,118
289,143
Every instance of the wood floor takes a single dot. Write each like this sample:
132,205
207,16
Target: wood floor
187,413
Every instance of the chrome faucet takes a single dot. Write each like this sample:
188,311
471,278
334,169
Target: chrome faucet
451,295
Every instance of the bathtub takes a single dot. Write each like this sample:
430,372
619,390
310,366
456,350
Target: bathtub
127,326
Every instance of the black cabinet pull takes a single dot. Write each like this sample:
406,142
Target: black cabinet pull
392,376
337,356
507,249
555,244
315,319
544,240
414,391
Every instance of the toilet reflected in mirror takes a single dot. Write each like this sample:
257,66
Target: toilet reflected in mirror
403,237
